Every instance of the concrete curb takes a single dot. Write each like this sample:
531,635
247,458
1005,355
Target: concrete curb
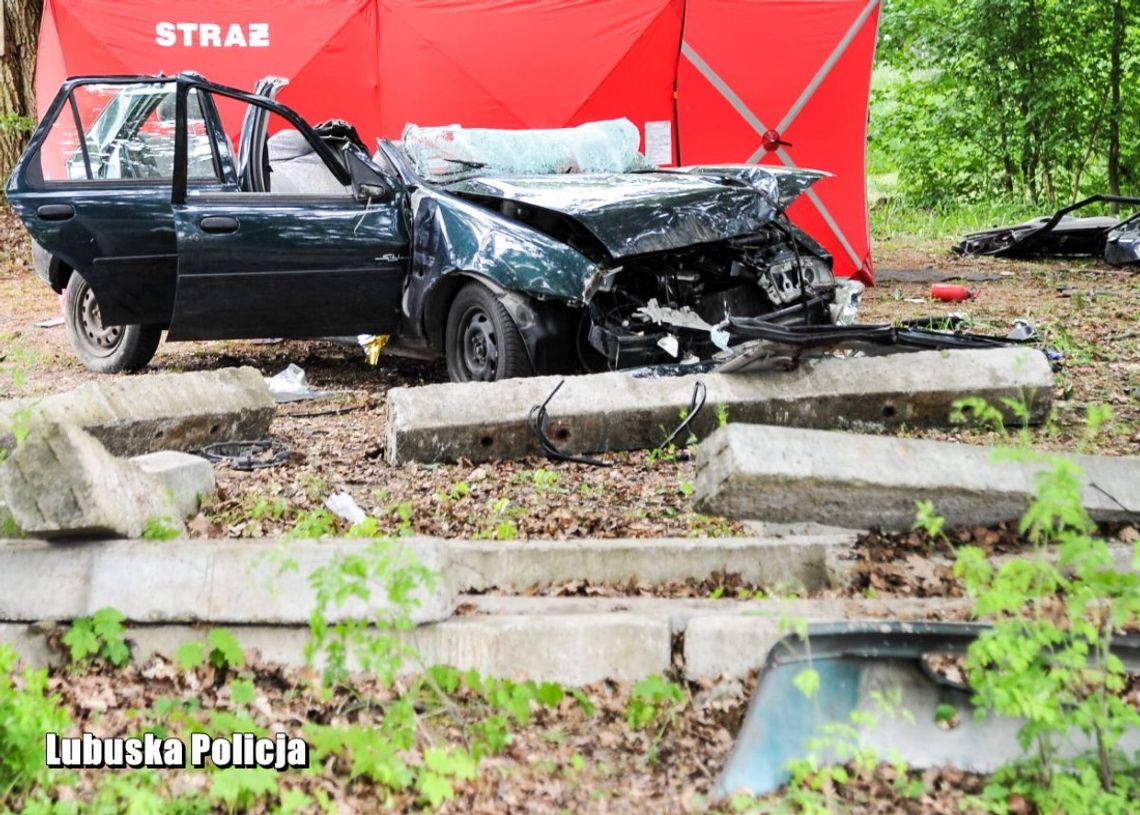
790,563
189,580
574,649
574,641
613,411
240,581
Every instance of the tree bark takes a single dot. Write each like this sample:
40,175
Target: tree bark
17,71
1114,78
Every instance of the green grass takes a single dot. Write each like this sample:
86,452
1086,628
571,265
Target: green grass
891,218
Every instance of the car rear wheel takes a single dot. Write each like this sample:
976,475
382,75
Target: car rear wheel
482,342
105,349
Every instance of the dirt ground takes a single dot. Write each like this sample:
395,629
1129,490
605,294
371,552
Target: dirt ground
1087,311
337,444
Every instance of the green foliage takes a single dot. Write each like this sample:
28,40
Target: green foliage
393,573
238,787
99,636
544,480
190,655
242,692
368,528
1048,656
926,519
159,529
440,768
976,100
314,524
502,522
807,682
975,410
225,651
454,493
27,711
15,123
653,698
721,414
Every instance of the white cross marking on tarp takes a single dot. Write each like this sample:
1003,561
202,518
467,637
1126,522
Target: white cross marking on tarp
809,90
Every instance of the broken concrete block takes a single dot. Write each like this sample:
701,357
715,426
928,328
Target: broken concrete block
61,482
133,415
792,475
614,411
186,477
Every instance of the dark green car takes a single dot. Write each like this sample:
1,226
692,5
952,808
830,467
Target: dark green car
148,219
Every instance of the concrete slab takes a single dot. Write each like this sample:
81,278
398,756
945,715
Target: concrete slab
681,613
792,563
614,411
719,644
61,482
186,477
574,641
205,581
572,650
790,475
133,415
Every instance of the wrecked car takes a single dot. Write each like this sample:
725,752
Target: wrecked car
1063,234
563,251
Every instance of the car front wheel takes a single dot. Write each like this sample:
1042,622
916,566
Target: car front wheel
482,342
105,349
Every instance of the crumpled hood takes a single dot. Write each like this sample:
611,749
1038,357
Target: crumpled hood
634,213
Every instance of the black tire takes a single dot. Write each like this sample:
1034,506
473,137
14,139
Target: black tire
104,349
482,342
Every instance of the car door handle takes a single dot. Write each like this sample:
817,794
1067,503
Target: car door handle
55,212
218,224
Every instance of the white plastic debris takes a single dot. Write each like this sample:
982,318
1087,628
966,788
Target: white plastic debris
669,345
720,336
344,506
846,305
1023,329
289,386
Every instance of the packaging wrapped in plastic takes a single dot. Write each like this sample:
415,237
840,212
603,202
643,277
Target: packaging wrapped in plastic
454,153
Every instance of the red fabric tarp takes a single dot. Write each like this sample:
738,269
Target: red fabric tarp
742,67
326,48
801,74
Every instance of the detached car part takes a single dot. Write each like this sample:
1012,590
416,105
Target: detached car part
1062,235
859,664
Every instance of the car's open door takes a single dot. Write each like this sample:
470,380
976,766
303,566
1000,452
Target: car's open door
94,188
322,252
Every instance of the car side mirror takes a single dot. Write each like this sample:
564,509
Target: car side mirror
373,192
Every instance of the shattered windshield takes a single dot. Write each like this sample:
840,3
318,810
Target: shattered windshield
455,153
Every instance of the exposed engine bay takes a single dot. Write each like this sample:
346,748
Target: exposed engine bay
682,303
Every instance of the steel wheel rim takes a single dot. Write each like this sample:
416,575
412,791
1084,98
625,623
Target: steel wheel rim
479,347
97,339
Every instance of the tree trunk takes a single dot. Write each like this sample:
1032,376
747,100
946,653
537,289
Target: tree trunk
21,25
1115,112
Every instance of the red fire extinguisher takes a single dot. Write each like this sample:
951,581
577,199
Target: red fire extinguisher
951,293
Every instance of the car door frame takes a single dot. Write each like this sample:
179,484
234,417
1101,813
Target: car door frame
130,287
390,262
